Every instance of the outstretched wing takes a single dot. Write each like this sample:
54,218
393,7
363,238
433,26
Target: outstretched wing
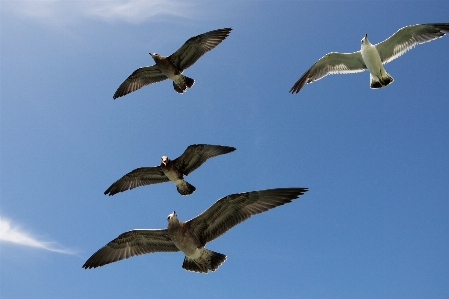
331,63
139,78
408,37
235,208
138,177
195,155
196,46
131,243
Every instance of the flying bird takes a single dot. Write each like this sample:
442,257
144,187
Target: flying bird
192,236
172,66
372,57
170,170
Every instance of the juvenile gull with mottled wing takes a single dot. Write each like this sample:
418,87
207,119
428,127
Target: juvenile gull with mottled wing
172,66
192,236
372,57
170,170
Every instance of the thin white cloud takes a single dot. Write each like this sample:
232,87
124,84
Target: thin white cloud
14,234
140,10
62,12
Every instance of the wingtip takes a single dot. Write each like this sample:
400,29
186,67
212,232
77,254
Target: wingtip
87,265
110,192
300,83
118,95
295,89
230,149
107,192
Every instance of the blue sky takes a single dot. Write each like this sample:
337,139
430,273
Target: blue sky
373,225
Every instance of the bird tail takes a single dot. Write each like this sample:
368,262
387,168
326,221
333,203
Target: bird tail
184,188
183,83
209,260
383,80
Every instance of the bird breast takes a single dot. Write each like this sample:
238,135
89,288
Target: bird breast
168,68
185,241
172,173
372,59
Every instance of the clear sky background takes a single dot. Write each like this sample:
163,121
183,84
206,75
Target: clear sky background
373,225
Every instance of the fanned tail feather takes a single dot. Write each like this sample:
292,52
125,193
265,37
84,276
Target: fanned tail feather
185,188
209,260
189,81
183,83
378,82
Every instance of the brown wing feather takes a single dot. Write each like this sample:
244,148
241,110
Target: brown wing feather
196,154
235,208
196,46
139,78
131,243
138,177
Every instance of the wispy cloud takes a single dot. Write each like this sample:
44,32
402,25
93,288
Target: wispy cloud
134,11
14,234
141,10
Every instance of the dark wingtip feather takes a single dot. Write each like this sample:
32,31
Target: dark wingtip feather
300,83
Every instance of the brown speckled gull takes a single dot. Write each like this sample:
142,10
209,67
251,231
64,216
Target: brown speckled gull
170,170
192,236
172,66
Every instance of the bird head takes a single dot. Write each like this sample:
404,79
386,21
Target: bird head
172,217
365,40
155,56
164,160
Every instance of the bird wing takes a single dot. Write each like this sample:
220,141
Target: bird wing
196,154
138,177
139,78
235,208
196,46
331,63
408,37
131,243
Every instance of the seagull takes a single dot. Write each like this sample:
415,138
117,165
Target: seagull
172,66
170,170
191,237
372,57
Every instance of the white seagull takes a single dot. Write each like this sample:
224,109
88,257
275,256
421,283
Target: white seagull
372,57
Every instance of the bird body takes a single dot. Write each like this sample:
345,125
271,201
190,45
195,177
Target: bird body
191,236
197,257
372,57
180,82
182,237
173,173
378,75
